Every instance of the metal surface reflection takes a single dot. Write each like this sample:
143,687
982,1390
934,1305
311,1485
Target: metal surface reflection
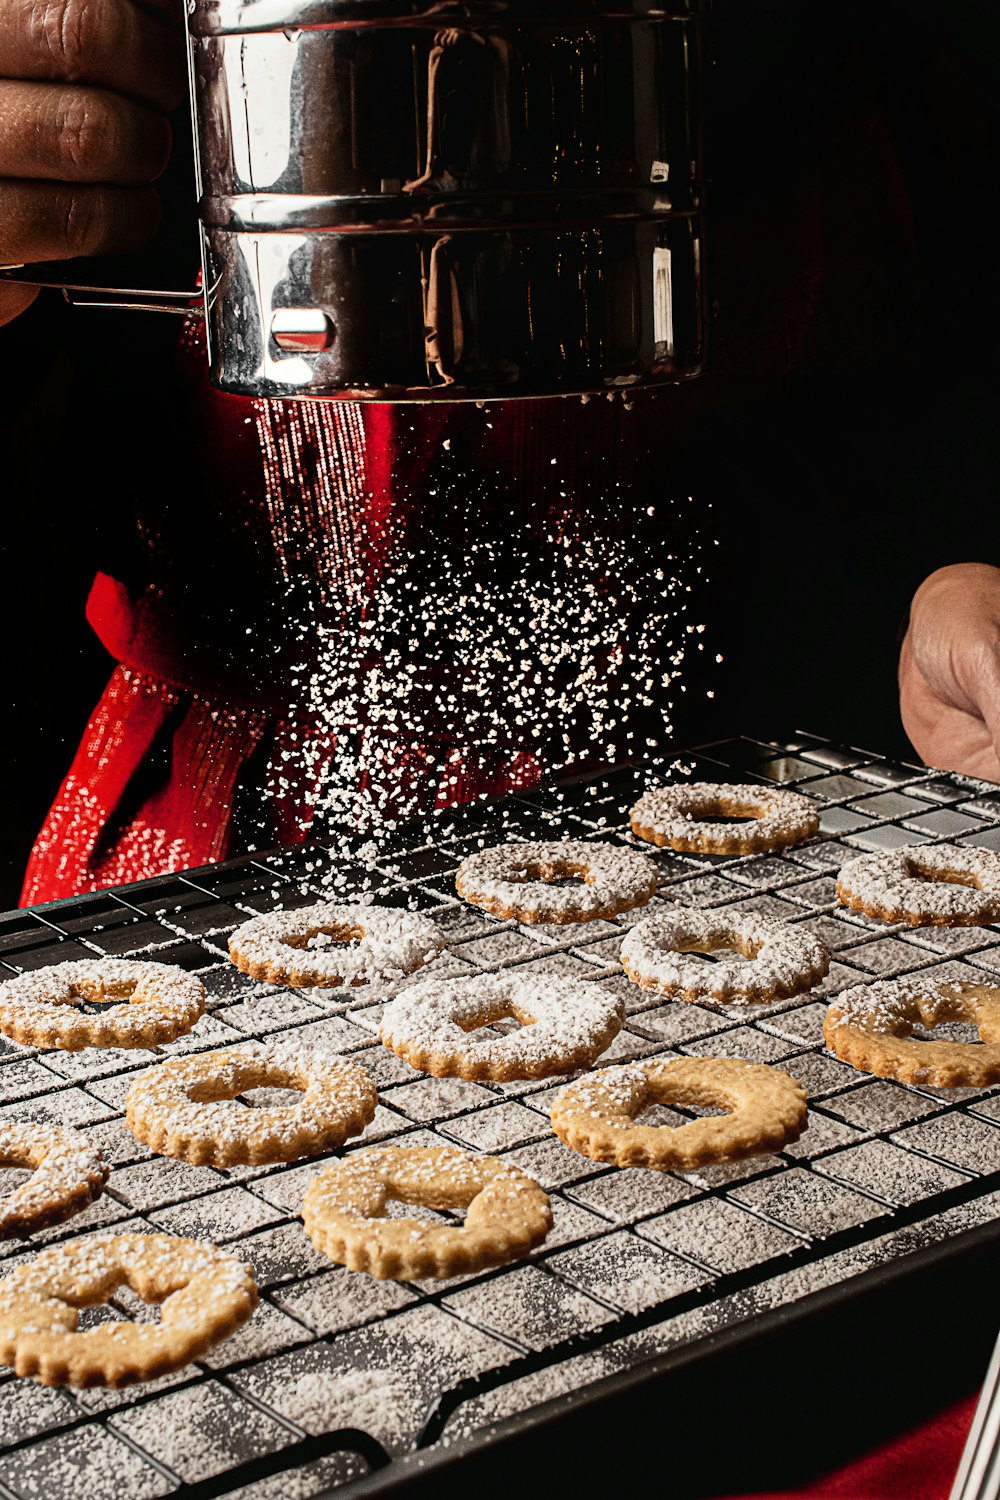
478,201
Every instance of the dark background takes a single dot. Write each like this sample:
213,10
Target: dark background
847,443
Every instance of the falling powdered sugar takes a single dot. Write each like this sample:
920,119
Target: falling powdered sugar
472,648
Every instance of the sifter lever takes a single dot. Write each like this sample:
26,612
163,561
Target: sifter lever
129,299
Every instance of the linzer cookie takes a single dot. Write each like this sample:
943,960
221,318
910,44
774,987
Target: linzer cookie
564,1025
596,1115
781,959
757,818
871,1027
927,885
330,945
187,1107
516,881
67,1174
506,1212
147,1003
206,1295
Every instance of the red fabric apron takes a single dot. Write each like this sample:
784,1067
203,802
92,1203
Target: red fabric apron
920,1465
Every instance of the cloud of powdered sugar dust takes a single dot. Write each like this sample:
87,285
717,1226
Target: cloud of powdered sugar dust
498,634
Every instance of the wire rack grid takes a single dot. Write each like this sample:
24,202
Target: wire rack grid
337,1375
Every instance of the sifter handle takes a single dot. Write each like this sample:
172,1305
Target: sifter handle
126,299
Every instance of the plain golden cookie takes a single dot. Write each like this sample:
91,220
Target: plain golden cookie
506,1212
596,1115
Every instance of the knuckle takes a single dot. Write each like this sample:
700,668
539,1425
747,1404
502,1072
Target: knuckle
100,137
100,220
72,33
81,222
89,138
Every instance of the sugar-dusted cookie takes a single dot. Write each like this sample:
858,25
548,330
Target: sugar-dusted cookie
187,1106
147,1003
330,945
67,1174
871,1027
927,885
565,1025
518,881
205,1293
782,959
757,818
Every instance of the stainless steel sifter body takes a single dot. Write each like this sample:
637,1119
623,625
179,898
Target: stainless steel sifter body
445,200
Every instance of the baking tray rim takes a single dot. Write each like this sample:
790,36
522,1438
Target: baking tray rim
437,1458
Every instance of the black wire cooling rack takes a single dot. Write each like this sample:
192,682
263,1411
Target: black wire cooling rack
338,1376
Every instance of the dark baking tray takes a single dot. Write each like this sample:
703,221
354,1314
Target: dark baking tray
746,1296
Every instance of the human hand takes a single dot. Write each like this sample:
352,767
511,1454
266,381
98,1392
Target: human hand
949,670
85,87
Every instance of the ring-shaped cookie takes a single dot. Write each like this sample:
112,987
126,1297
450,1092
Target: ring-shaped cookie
782,959
206,1295
926,885
871,1026
67,1174
187,1107
507,1213
515,881
595,1115
147,1003
564,1025
390,944
761,817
